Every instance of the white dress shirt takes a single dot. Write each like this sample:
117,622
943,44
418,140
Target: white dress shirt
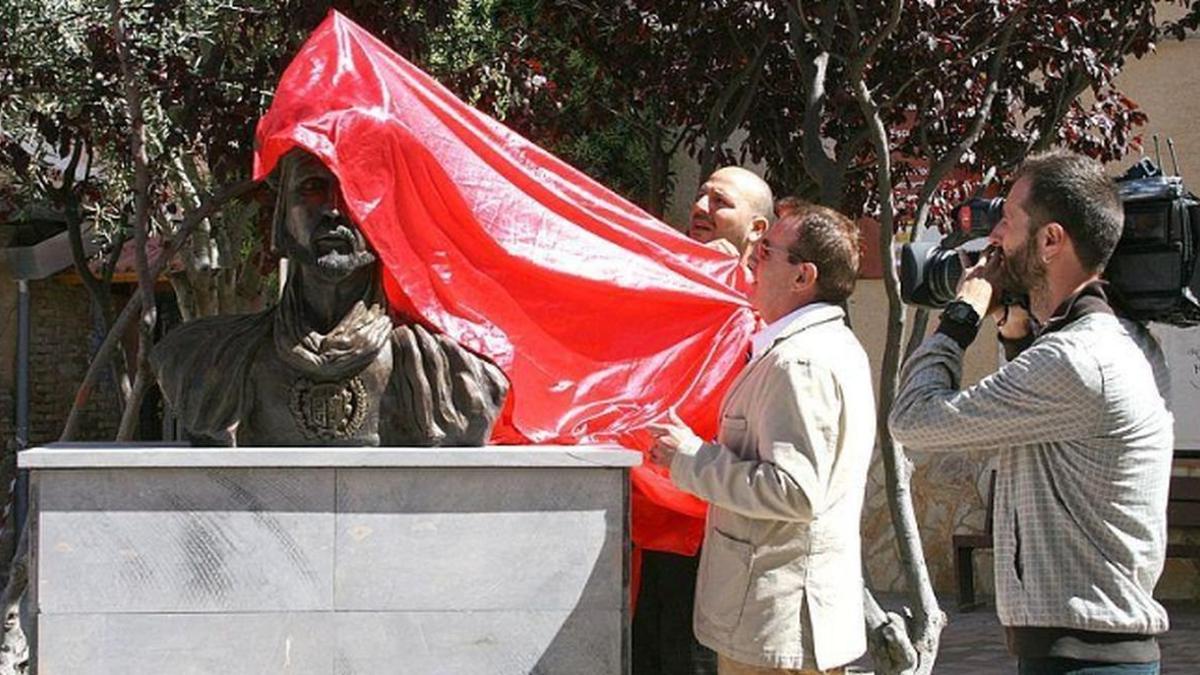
762,340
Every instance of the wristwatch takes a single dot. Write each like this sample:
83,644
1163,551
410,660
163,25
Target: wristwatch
960,322
961,312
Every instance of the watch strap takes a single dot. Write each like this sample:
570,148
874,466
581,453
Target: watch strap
959,322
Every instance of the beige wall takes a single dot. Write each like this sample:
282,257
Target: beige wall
1166,85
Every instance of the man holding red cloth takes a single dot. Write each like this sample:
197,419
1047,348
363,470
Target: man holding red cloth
779,589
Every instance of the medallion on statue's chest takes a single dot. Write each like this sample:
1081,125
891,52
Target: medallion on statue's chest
328,410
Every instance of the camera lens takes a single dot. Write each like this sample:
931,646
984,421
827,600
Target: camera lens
929,274
943,273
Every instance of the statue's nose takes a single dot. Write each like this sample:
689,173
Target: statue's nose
331,211
333,220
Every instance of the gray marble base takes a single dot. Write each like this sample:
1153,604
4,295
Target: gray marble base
313,560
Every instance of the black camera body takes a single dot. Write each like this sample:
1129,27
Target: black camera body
1154,272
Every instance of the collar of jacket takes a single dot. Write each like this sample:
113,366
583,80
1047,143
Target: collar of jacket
1091,299
808,320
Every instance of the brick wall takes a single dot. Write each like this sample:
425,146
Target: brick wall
64,338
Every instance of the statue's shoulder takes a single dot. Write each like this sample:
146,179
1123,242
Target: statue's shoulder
201,366
209,340
441,392
223,328
442,351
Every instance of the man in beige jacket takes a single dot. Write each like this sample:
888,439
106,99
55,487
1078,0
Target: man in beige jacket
780,586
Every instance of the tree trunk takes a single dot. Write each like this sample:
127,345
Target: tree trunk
887,638
141,225
925,626
15,657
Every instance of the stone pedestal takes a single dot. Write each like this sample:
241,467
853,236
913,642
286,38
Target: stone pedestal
314,560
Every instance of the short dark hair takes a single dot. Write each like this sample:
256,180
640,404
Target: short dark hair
786,206
830,241
1072,190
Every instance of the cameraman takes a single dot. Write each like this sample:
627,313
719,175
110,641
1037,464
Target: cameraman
1079,416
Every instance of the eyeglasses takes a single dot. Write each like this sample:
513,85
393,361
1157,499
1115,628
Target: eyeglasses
766,249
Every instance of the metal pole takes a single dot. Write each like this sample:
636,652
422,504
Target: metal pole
22,435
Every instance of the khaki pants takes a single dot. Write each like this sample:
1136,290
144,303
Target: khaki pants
727,666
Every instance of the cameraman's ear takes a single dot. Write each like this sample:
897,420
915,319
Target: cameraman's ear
1054,239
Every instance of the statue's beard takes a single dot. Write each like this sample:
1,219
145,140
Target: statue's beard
345,263
335,253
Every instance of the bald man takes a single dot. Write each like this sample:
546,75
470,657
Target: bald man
732,210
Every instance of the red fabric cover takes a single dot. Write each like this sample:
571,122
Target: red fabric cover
601,316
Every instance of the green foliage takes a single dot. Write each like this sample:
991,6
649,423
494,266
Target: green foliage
463,55
616,154
200,70
206,71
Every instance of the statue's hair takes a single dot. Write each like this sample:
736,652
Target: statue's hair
279,179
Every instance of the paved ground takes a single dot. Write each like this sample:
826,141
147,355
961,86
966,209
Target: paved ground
973,643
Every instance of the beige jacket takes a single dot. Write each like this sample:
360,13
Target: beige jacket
785,484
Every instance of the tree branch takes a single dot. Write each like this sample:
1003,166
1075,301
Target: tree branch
855,25
818,163
928,619
1077,82
721,122
916,334
821,37
141,224
95,289
887,641
894,12
939,169
209,206
921,75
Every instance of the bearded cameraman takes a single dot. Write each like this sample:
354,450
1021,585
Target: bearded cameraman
1079,416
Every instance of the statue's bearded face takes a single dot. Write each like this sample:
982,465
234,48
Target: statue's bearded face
317,230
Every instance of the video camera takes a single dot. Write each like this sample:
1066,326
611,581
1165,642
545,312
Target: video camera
1154,271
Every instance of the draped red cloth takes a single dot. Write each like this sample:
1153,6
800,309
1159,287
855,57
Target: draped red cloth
601,316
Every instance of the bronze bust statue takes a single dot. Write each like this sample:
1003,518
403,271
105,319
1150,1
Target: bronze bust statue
327,365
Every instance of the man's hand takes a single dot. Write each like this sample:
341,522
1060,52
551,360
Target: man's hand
670,437
980,283
1012,321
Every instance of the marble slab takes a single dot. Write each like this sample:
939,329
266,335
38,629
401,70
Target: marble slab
479,539
479,643
106,455
187,644
179,540
157,559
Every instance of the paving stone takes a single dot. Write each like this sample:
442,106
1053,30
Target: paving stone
973,642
